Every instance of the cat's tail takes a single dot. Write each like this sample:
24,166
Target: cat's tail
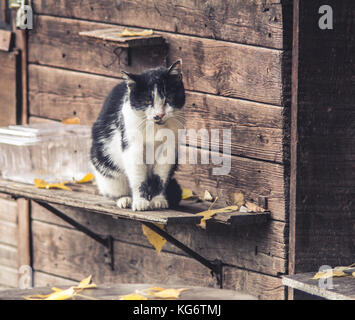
173,193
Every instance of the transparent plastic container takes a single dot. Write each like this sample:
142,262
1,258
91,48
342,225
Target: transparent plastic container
52,152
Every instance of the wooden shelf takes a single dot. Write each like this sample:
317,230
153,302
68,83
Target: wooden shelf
85,196
112,35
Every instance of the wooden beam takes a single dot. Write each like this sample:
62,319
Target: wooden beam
5,40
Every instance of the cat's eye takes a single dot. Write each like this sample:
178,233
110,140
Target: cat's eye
148,101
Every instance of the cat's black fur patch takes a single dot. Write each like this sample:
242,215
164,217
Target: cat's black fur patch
168,86
151,187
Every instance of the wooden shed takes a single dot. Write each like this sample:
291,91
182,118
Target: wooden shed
263,68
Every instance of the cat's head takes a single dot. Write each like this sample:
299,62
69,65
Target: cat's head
158,93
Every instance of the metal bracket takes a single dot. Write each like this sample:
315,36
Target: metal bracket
216,266
107,241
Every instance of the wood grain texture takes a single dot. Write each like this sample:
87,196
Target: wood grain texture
5,40
262,286
254,22
256,128
324,219
8,210
41,279
251,177
260,248
8,233
8,256
8,91
24,233
64,251
212,66
8,277
343,287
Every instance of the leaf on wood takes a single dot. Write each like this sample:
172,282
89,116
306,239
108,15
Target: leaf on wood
133,296
207,196
168,293
64,294
208,214
187,194
243,209
74,120
128,33
156,240
89,177
336,272
41,184
238,199
252,207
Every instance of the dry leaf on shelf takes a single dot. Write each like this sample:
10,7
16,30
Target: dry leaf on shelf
133,296
208,214
207,196
74,120
252,207
238,199
168,293
128,33
89,177
64,294
155,239
41,184
336,272
187,194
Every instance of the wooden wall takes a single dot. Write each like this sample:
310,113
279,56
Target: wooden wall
323,210
236,62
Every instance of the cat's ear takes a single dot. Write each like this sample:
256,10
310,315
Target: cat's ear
176,69
130,78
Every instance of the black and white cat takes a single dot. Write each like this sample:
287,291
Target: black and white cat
154,97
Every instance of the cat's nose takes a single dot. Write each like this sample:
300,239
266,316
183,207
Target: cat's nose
159,116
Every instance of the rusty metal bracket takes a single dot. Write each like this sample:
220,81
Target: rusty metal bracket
216,266
107,241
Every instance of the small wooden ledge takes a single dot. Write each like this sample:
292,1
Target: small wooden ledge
112,35
85,196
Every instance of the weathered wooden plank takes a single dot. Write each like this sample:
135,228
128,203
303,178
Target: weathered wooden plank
251,177
343,287
8,256
256,129
114,291
8,277
8,210
324,138
253,22
261,248
8,233
95,203
8,89
216,67
262,286
24,233
41,279
64,252
5,40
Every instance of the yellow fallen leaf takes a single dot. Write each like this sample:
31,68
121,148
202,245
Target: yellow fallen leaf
168,293
252,207
155,239
336,272
41,184
133,296
74,120
152,290
208,214
87,178
238,199
187,193
128,33
207,196
60,294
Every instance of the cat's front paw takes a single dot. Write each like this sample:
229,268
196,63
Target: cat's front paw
124,202
159,202
140,204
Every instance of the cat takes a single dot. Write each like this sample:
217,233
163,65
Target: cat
155,97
